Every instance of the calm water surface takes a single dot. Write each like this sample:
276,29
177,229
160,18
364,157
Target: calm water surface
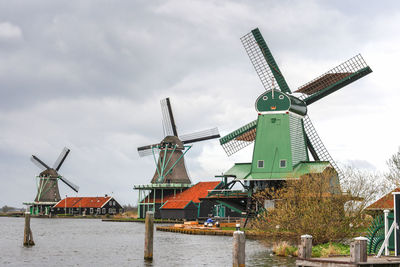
91,242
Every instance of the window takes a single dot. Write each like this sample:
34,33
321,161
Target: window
98,211
104,210
109,210
91,210
260,164
282,163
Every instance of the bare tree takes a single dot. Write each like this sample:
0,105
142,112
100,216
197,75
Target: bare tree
393,175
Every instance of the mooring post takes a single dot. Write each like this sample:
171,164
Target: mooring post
28,237
148,238
358,249
386,212
305,247
239,245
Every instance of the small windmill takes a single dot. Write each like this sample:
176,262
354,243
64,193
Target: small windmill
48,179
170,165
171,175
283,131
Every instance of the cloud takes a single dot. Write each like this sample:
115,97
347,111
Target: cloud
9,32
90,76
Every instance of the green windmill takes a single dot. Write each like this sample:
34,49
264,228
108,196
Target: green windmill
283,132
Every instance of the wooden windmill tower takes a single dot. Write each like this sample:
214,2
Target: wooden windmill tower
48,193
283,132
171,175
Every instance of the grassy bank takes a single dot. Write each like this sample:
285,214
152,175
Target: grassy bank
322,250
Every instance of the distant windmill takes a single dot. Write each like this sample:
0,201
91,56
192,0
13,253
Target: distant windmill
170,165
48,179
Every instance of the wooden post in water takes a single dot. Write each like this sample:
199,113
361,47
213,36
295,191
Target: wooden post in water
28,237
358,249
305,247
239,245
148,238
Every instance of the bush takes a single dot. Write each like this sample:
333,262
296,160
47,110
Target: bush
315,205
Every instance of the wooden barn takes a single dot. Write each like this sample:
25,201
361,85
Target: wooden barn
87,206
192,203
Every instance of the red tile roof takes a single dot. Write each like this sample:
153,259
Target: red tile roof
200,190
176,204
385,202
82,202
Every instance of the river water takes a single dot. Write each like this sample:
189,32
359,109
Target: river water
91,242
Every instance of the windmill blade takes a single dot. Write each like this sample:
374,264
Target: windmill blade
263,61
63,155
147,150
200,136
336,78
69,183
39,163
316,147
239,139
168,118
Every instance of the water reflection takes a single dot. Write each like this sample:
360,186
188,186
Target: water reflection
86,242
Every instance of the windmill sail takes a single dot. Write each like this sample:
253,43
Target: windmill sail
336,78
147,150
263,61
200,136
69,183
170,131
239,139
168,118
43,166
316,146
61,158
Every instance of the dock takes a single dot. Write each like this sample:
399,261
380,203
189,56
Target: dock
345,262
193,228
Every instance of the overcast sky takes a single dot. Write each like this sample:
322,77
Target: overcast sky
90,75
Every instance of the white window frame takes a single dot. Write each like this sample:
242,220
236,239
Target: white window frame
280,163
258,164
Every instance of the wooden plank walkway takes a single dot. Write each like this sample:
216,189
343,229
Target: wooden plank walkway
345,262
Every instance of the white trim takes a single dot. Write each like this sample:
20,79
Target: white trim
107,201
274,112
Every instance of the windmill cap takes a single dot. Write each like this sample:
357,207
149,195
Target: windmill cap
172,140
275,100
